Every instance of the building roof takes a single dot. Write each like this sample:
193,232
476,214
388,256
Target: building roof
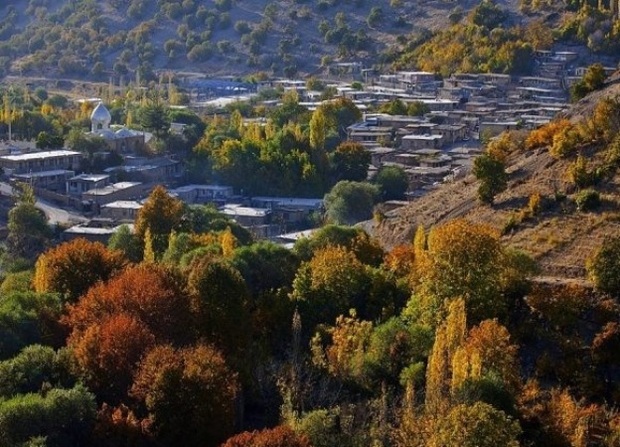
124,204
90,177
40,155
101,114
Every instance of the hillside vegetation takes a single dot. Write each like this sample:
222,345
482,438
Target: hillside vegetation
135,38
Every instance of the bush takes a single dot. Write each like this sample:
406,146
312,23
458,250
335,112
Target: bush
604,267
587,200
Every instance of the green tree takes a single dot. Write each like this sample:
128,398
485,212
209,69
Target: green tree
593,79
417,108
393,182
604,267
394,107
220,302
492,176
28,232
27,318
34,367
62,417
350,202
350,161
125,241
154,118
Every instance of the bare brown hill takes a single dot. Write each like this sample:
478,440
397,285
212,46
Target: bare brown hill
560,237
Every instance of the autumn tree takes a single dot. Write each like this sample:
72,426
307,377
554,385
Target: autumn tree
107,354
189,393
365,248
318,129
71,268
161,214
152,294
463,260
280,436
477,425
335,281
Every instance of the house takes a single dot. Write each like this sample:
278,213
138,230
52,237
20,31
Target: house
146,170
114,192
121,210
54,180
421,141
203,193
41,161
79,184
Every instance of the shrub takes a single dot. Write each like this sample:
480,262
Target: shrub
604,267
587,200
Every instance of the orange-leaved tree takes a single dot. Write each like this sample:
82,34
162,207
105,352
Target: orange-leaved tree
189,393
153,294
107,353
280,436
73,267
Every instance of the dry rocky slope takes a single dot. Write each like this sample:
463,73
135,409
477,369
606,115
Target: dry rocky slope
560,238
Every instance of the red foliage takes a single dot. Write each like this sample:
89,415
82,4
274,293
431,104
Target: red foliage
280,436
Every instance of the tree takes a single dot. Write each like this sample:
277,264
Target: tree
33,368
107,353
593,79
393,182
477,425
333,282
492,176
28,318
62,417
28,232
125,241
418,108
190,394
604,267
154,118
463,260
318,129
350,161
219,301
350,202
280,436
394,107
70,269
354,239
161,214
150,293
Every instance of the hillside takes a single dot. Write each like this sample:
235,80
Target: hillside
559,237
62,38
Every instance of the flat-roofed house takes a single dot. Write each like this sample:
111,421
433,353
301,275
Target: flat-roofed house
79,184
41,161
121,210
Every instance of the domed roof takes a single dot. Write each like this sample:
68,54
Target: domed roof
125,133
101,114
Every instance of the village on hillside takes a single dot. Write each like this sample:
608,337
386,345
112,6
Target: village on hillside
457,115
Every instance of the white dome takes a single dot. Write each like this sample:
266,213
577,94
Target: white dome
101,114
